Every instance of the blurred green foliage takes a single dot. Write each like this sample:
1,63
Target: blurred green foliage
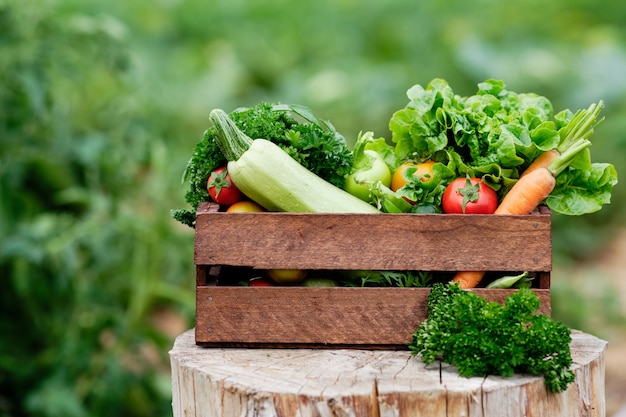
103,102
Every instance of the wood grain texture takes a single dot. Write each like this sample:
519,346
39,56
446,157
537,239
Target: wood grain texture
374,318
436,242
377,383
380,318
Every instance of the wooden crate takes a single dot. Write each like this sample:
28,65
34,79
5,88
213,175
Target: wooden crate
334,317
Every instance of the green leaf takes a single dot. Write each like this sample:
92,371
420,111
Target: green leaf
400,125
491,86
545,136
504,148
581,192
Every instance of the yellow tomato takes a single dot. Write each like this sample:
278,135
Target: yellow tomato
424,171
287,276
245,206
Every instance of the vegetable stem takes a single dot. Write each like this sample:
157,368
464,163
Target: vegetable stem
581,126
231,141
360,161
561,162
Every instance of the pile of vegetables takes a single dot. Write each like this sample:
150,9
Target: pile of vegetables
313,143
439,138
495,152
495,136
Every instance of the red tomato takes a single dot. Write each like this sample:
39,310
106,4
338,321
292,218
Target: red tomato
260,282
221,188
469,196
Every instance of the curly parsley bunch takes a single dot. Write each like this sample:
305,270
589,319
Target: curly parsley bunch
483,337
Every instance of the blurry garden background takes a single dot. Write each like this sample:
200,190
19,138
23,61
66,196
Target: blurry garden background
102,102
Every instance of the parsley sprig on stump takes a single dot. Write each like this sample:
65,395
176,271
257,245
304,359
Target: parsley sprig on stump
483,337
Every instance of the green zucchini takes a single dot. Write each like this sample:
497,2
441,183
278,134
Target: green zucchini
273,179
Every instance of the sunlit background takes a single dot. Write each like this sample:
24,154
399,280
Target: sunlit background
102,102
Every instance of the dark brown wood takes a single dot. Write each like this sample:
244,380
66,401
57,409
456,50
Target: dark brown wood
374,241
231,246
201,275
373,318
544,280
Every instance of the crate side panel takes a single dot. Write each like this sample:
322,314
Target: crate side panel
339,316
392,242
296,316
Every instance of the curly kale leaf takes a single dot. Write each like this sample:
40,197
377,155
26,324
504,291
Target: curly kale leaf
481,337
313,143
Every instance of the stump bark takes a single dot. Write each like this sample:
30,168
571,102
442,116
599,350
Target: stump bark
215,382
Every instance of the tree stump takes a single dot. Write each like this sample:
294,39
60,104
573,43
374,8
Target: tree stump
215,382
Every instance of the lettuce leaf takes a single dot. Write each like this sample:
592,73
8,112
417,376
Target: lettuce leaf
495,134
579,191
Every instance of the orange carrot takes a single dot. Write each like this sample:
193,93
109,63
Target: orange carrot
539,179
542,161
468,279
528,192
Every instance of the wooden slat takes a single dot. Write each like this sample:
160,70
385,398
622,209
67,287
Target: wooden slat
374,241
375,318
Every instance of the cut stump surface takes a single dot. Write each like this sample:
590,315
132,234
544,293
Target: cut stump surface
219,382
